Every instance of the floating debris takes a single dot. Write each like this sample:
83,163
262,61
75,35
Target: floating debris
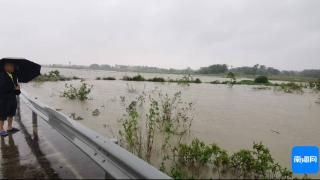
274,131
58,109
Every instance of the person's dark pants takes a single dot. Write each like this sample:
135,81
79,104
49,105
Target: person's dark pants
8,108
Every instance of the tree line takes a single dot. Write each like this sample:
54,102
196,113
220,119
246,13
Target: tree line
212,69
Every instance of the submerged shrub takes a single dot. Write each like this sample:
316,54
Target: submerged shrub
74,116
105,78
196,158
53,76
109,78
138,78
197,81
80,93
186,80
261,80
291,87
157,79
314,85
134,78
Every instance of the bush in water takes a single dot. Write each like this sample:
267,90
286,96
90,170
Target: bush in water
261,80
80,93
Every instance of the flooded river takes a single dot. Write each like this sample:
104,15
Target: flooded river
233,118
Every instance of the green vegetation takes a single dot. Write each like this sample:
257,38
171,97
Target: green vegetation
134,78
195,159
54,76
158,125
247,82
167,120
186,80
106,78
261,80
213,69
80,93
197,81
75,117
232,76
242,82
256,70
109,78
314,85
192,160
217,69
157,79
291,87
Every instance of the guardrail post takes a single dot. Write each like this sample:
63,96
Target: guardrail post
35,125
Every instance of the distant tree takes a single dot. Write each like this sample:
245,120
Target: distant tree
314,73
257,70
232,76
94,66
273,71
105,67
214,69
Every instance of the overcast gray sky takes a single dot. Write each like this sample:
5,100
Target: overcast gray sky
166,33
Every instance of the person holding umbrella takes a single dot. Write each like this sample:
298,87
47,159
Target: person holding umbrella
13,70
9,88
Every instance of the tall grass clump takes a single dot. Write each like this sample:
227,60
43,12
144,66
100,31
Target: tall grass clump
155,123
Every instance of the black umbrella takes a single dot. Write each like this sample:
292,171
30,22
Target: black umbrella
24,69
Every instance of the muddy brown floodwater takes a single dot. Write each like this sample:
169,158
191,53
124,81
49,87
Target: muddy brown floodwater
233,118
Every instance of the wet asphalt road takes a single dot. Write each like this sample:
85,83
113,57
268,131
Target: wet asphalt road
39,152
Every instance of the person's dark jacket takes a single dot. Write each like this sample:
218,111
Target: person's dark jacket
7,86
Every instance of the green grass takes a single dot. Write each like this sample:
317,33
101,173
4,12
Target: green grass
106,78
54,76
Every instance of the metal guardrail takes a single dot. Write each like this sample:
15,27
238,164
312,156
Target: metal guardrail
116,161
